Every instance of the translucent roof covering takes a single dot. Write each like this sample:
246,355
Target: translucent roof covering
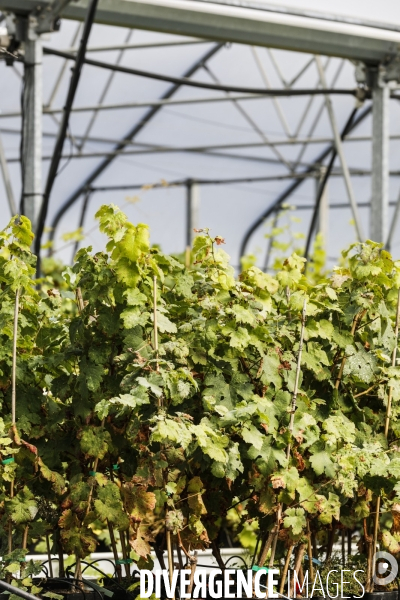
244,152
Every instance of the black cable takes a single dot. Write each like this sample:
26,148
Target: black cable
69,581
96,568
207,86
44,568
75,77
239,557
88,583
293,187
85,205
134,131
114,581
323,185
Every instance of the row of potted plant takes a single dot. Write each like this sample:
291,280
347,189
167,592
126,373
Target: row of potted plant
158,402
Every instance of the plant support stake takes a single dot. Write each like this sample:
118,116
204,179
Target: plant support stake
14,360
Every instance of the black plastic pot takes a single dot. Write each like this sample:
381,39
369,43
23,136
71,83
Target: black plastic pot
118,589
392,595
66,588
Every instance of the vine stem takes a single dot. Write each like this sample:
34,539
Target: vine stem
115,551
193,565
49,555
387,422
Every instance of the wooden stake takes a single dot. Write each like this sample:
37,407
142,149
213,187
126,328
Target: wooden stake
79,299
286,568
14,361
155,321
25,537
301,548
170,559
310,552
275,536
187,257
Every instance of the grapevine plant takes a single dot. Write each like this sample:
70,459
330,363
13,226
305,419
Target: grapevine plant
153,399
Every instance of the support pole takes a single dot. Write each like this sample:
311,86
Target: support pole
192,211
380,160
31,200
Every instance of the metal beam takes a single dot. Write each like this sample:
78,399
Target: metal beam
380,161
123,106
238,21
340,152
148,46
31,197
192,211
276,142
